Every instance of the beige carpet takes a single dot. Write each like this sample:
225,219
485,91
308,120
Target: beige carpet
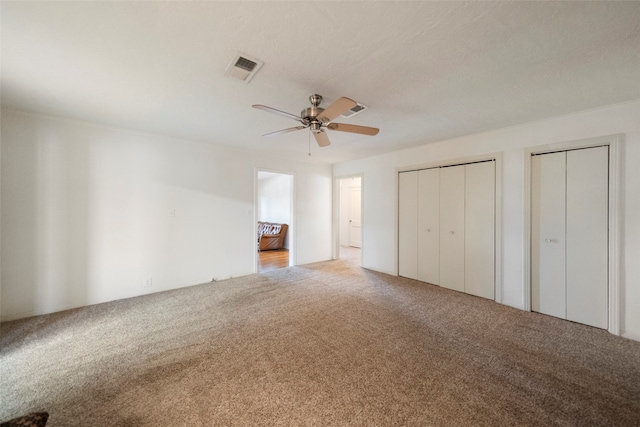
323,344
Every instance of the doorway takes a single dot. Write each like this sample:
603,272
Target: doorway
350,218
274,213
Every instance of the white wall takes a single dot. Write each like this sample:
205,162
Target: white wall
274,204
379,206
274,200
88,213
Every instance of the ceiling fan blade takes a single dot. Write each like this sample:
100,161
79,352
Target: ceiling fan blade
278,112
321,138
278,132
342,105
344,127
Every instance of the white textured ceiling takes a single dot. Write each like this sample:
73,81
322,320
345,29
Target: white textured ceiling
428,71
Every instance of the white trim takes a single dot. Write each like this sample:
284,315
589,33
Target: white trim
396,226
499,238
615,145
499,241
630,335
614,233
451,162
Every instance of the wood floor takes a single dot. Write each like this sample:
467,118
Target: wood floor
272,260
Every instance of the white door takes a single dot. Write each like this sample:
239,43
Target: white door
408,224
548,192
479,230
452,231
587,236
355,229
428,230
569,235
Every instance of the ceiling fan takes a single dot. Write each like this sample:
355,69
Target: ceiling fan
317,119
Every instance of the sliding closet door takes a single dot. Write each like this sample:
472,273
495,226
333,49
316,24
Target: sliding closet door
587,236
479,230
429,225
452,231
548,190
408,224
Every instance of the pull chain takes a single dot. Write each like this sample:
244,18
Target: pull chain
309,142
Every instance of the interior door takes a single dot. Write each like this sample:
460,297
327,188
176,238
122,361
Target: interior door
408,224
355,228
452,231
548,247
587,236
479,230
569,235
428,230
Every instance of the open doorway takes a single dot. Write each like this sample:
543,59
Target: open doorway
274,213
350,218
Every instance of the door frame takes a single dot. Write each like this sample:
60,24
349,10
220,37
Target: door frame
614,142
291,230
335,252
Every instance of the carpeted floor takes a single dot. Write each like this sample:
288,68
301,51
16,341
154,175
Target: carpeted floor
322,344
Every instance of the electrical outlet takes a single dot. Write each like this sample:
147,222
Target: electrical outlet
147,282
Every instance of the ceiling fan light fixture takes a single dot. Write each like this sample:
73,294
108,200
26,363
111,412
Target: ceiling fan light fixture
315,126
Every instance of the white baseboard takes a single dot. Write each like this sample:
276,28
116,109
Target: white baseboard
631,335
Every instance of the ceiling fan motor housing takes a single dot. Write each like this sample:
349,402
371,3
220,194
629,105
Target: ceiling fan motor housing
311,112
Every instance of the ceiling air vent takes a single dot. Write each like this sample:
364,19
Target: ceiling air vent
355,110
243,67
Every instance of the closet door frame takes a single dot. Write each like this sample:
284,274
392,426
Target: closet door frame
497,158
614,142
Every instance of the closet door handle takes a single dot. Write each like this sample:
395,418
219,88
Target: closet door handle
551,240
451,232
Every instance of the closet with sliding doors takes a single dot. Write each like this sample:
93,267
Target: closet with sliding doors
446,226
